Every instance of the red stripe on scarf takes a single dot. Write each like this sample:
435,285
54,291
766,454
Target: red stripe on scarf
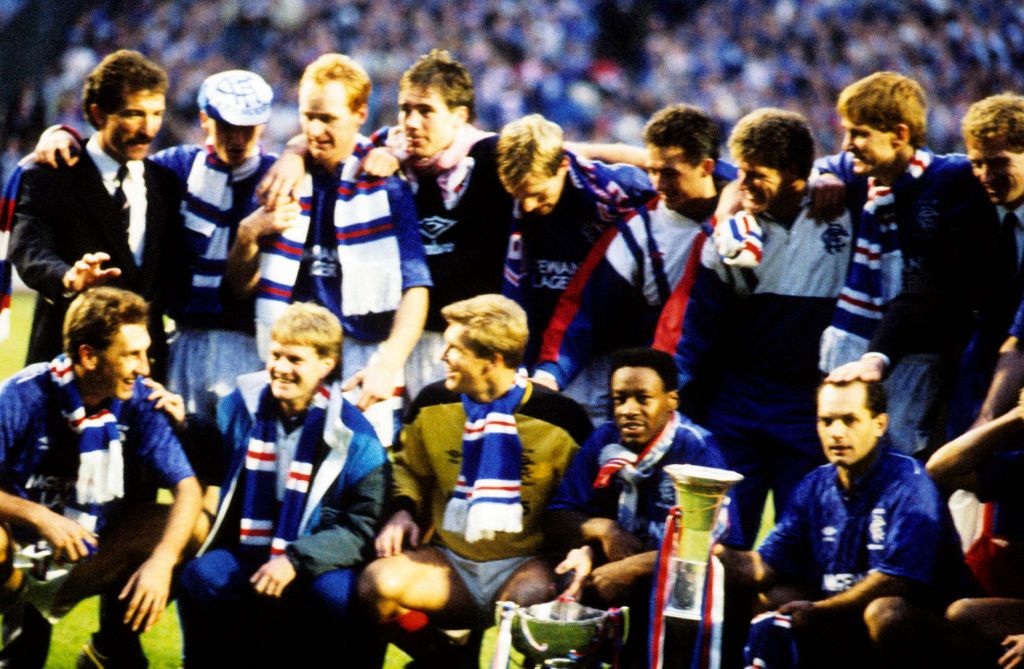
499,423
341,236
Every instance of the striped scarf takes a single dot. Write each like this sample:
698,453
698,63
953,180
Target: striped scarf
486,499
7,201
366,237
740,241
101,462
610,201
259,528
875,274
632,469
206,211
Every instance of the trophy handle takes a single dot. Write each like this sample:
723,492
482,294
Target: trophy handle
505,613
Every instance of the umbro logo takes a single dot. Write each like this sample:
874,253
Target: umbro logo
433,227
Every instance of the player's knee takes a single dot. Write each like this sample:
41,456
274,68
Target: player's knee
382,583
531,586
964,612
885,616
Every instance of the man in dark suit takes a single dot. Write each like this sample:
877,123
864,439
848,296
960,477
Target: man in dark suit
105,219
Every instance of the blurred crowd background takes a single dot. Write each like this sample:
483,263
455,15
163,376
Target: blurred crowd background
597,67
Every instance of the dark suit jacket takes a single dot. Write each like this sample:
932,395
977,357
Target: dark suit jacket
62,214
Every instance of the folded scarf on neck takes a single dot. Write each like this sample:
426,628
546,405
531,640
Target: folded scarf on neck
450,167
487,498
101,461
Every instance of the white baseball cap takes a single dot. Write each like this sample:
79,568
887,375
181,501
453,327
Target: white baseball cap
238,97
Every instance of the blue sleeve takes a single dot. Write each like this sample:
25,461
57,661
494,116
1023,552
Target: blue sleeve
158,445
576,491
633,180
839,165
410,245
17,407
177,159
913,532
1017,327
787,548
725,171
710,300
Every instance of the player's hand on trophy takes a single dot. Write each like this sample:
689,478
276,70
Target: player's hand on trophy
580,561
391,537
67,538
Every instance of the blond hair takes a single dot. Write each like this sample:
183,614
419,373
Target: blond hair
339,67
528,147
308,324
998,119
884,100
494,324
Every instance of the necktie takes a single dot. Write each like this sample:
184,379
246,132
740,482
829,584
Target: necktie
120,199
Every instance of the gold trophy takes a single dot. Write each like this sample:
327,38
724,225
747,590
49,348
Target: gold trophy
692,610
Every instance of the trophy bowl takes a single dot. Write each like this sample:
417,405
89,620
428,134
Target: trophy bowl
553,630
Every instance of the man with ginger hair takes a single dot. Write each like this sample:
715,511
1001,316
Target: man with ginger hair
938,274
354,248
480,485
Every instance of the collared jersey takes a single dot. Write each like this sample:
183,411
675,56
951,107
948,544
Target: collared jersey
893,520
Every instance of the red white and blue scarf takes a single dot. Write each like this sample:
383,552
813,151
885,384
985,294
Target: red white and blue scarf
875,274
632,469
740,240
366,237
101,461
206,211
487,497
260,527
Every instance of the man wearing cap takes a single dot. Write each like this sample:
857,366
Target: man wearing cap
215,339
106,219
